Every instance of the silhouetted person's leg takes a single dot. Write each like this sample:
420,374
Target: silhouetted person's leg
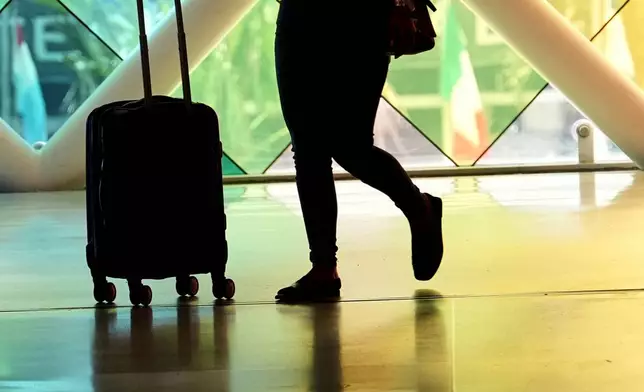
363,81
354,150
330,89
308,114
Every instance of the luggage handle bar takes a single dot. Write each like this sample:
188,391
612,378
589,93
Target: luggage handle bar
145,53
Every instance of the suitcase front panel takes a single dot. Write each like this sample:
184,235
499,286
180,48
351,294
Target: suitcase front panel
93,163
161,193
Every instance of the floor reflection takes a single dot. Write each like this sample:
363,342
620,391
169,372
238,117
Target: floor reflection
557,192
433,357
352,349
583,342
333,347
326,364
504,237
163,345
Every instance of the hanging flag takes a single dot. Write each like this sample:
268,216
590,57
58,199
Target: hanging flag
30,102
465,132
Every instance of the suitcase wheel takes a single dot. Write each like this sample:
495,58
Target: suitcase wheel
225,289
140,295
105,293
187,287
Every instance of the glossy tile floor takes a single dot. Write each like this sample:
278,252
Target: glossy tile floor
539,292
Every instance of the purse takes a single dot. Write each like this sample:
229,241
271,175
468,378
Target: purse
411,30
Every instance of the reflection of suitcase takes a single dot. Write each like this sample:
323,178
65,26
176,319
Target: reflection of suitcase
155,206
192,348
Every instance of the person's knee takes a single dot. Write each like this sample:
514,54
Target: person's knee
352,156
311,160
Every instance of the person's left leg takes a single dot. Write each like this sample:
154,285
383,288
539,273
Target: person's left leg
353,149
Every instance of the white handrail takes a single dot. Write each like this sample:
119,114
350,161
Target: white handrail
19,163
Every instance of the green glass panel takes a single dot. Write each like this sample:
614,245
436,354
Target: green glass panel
393,133
546,131
3,3
238,80
49,65
115,21
229,167
468,90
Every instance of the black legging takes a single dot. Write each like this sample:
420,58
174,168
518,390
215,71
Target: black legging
331,69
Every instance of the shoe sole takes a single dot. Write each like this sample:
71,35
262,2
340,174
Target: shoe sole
327,297
424,277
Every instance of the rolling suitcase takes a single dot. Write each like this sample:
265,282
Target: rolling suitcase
155,206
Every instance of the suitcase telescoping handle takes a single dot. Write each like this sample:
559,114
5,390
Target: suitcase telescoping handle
145,53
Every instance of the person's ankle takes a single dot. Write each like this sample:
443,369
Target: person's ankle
324,272
419,210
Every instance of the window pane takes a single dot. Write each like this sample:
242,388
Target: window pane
115,21
393,133
50,65
544,133
466,92
238,80
230,168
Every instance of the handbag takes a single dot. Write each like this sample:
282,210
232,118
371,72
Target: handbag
411,30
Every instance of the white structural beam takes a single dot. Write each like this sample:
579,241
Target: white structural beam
19,163
568,60
206,23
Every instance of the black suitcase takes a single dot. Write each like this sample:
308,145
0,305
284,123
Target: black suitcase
155,206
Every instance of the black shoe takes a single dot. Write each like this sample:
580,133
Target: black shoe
310,290
427,240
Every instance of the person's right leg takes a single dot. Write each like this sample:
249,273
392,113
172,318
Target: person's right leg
303,94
